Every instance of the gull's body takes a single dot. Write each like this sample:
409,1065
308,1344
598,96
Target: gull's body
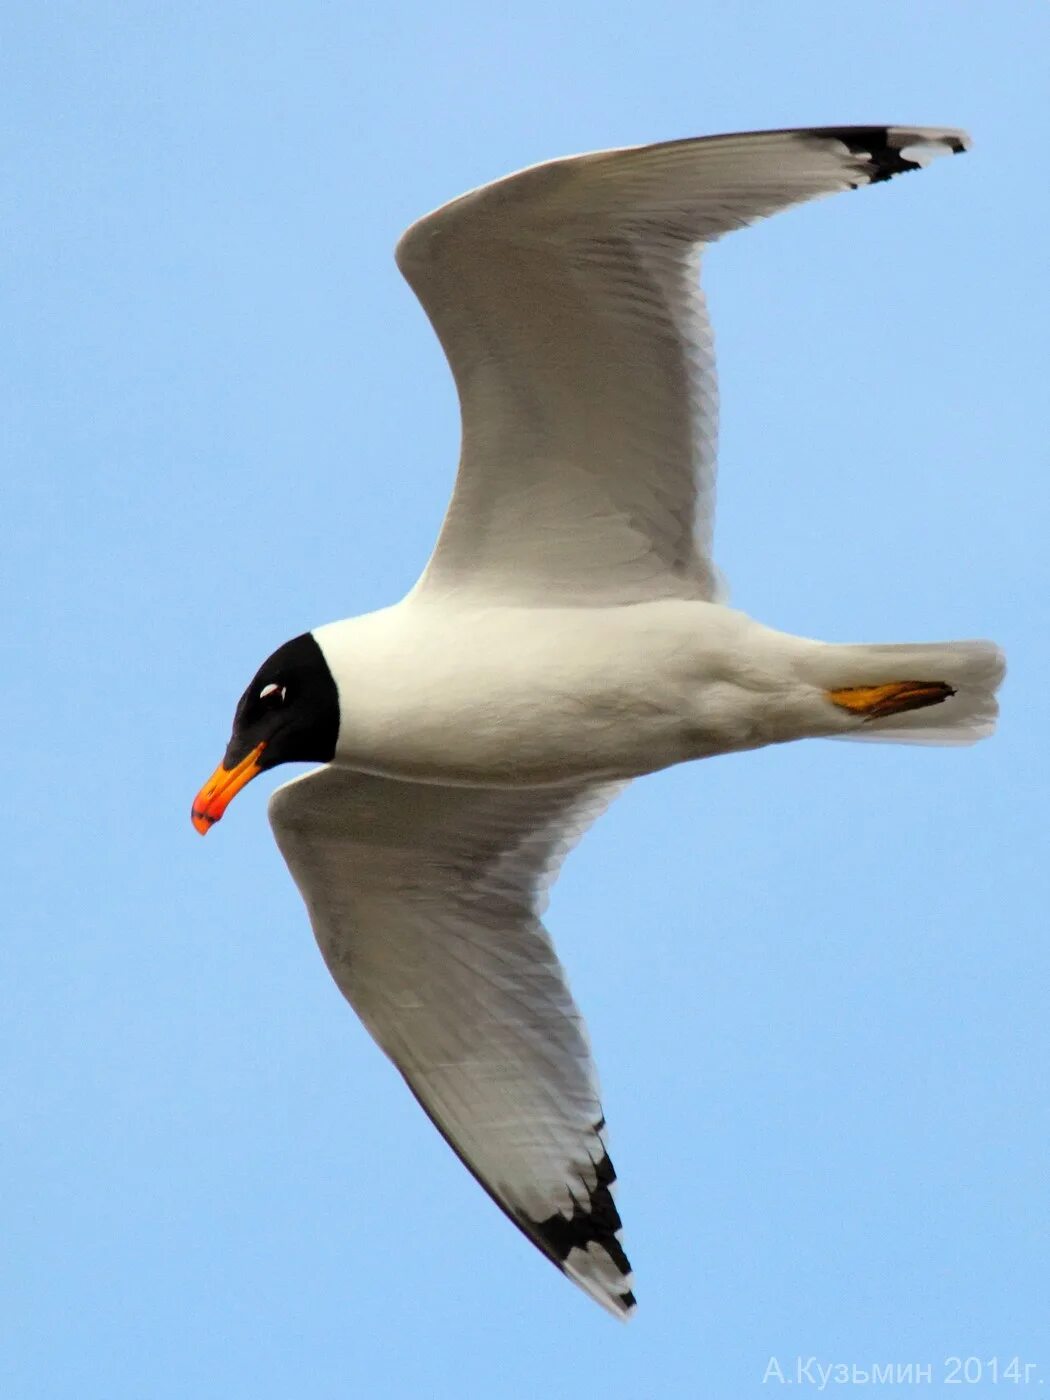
567,635
532,696
539,695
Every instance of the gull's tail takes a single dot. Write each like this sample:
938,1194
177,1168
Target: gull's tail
913,693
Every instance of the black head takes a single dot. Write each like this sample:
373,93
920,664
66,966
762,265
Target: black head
289,713
291,706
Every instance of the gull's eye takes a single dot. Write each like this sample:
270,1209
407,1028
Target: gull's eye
271,690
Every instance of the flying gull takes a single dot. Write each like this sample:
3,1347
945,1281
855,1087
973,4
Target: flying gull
568,634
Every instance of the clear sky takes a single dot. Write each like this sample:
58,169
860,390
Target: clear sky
816,978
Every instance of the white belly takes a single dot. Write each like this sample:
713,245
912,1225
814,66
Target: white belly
528,696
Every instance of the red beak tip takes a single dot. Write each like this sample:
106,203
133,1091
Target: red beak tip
223,785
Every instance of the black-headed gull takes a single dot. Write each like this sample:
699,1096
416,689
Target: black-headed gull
567,635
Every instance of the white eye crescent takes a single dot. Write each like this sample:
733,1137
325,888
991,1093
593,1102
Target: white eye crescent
271,689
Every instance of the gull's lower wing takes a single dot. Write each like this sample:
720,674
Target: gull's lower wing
426,903
567,302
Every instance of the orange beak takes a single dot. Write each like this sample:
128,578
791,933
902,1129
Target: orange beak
221,788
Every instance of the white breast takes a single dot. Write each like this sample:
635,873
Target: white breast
533,695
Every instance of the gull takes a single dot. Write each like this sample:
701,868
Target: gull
569,633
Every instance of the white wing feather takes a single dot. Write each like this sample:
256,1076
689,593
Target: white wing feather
567,303
425,901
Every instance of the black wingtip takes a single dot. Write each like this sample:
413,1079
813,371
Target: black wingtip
598,1222
595,1222
882,148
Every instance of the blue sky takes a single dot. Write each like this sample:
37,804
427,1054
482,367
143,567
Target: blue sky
816,978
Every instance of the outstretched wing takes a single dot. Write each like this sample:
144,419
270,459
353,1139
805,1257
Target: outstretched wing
566,299
426,903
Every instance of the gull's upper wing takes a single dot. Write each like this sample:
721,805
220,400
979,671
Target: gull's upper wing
567,302
426,903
